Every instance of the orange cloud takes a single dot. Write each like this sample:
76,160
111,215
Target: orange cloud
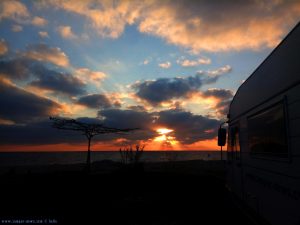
219,71
14,10
190,63
43,148
112,146
6,122
108,18
165,65
88,75
16,28
211,144
39,21
259,25
66,32
3,47
42,52
196,25
43,34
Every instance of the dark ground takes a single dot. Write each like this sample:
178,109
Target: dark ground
164,194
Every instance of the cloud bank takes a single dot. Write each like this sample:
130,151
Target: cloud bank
21,106
161,90
3,47
197,25
44,53
95,101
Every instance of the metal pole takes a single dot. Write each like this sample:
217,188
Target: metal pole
221,153
88,160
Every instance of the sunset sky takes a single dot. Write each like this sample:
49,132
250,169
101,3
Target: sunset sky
167,67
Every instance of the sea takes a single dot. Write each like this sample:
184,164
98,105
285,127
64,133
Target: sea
62,158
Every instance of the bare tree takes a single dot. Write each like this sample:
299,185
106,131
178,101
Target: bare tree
88,129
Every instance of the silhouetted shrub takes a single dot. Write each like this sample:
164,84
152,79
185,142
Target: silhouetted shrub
130,158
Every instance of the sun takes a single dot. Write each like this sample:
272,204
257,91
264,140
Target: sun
165,138
163,131
164,135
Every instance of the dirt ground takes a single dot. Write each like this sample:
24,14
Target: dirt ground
156,194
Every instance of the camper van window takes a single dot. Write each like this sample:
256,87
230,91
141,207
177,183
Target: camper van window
229,147
236,145
233,148
235,142
267,132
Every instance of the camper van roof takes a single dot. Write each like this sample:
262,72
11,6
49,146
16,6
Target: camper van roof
276,74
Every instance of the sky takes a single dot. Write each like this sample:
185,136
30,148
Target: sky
167,67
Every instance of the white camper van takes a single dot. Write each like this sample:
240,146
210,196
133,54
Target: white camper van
263,161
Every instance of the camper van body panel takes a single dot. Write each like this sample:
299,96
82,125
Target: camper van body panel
268,182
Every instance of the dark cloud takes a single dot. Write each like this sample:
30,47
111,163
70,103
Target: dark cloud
24,64
3,47
33,64
222,94
223,107
95,101
24,69
126,118
164,89
57,81
41,132
117,104
17,68
36,133
138,108
130,119
188,127
21,106
117,118
212,76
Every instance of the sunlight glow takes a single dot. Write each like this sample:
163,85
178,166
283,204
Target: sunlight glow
167,141
161,138
164,131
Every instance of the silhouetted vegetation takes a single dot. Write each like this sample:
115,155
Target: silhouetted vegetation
131,158
88,129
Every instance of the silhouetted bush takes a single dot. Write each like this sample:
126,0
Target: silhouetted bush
130,158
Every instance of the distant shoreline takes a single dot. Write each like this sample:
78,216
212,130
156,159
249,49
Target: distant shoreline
68,158
66,151
108,166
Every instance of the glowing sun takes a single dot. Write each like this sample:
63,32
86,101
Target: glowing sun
163,131
165,137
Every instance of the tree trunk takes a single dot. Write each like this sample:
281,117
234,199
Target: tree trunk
88,159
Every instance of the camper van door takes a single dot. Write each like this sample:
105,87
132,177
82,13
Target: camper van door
236,166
